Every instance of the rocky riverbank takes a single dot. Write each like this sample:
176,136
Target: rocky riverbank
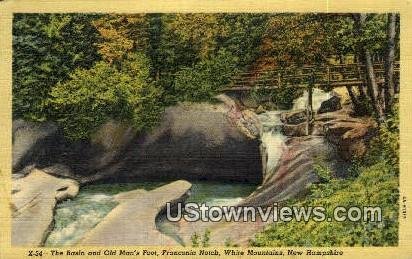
337,137
219,142
193,141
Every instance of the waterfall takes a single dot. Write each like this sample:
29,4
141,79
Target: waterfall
318,96
272,137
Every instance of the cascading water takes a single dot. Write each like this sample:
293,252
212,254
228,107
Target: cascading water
272,137
318,96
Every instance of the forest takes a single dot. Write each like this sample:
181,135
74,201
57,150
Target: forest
132,66
81,70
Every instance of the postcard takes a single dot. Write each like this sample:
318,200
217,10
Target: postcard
211,129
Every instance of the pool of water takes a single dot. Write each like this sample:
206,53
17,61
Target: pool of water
75,217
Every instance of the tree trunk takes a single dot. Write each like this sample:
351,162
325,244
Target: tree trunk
361,88
373,89
389,87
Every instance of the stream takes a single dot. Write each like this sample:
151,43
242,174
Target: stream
75,217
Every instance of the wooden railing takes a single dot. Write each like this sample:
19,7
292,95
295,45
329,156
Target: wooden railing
302,77
308,77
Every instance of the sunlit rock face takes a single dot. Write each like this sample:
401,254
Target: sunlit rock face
33,200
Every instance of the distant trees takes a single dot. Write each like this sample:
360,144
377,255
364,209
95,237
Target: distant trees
121,34
299,39
186,57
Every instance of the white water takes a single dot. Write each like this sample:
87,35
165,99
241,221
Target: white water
74,218
318,96
272,137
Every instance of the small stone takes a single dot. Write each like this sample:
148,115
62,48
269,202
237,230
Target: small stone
260,109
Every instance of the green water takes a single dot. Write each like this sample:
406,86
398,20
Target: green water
74,218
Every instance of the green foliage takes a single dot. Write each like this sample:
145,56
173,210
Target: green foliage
298,38
282,97
120,35
92,96
198,240
373,34
191,57
229,243
321,170
201,82
386,145
375,186
46,49
195,239
206,238
244,35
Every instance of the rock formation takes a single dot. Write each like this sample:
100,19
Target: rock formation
193,141
33,200
132,222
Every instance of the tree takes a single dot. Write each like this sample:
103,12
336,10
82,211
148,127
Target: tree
202,81
120,34
92,96
298,39
373,38
46,49
389,62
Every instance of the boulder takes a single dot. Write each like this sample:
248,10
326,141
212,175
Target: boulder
44,146
248,101
290,179
293,117
260,109
113,138
33,200
292,130
105,148
133,221
295,171
330,105
199,141
350,134
249,124
32,142
351,137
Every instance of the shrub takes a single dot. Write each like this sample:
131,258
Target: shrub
91,96
386,145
